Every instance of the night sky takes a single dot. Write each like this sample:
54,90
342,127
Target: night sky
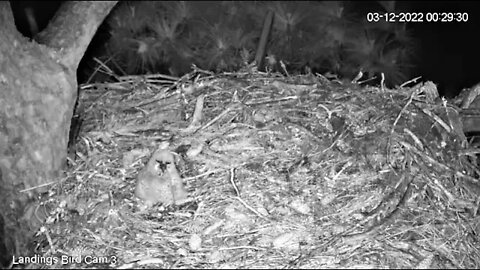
447,54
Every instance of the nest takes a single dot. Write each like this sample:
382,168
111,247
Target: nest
281,172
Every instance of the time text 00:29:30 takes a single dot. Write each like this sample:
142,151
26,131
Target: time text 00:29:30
418,17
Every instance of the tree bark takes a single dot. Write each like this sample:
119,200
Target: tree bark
38,89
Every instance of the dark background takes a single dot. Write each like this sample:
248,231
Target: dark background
448,53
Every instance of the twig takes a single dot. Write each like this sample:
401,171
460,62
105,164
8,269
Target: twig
262,45
232,181
414,80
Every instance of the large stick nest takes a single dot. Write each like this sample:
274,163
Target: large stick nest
296,171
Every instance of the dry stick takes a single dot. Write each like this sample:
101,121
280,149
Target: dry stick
237,192
106,70
227,110
382,82
438,164
267,25
414,80
49,239
410,100
197,115
232,181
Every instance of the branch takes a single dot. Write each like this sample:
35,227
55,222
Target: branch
72,29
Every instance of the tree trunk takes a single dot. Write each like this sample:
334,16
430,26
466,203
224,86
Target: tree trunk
38,89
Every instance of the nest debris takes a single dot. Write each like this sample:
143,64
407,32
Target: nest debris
287,172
